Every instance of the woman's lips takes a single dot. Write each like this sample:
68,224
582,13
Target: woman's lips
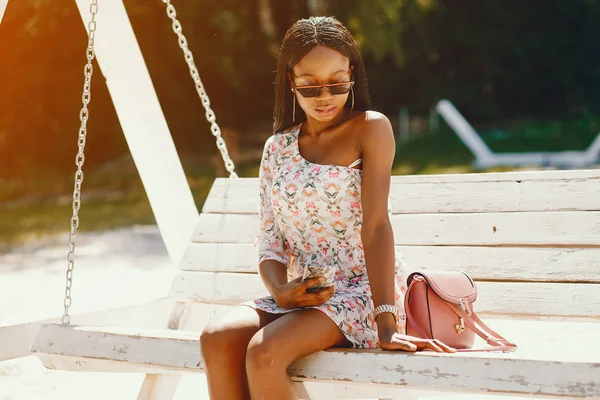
326,111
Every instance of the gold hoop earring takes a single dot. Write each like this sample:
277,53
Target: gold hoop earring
352,109
294,107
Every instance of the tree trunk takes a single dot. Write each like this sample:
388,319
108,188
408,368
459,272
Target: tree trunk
317,7
267,24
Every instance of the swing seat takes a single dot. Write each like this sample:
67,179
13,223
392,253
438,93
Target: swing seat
531,241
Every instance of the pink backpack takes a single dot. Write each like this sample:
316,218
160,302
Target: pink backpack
439,305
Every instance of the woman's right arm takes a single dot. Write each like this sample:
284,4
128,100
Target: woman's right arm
273,274
272,256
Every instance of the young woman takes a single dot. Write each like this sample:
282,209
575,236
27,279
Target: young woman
324,189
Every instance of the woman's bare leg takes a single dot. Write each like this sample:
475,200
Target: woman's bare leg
223,346
277,345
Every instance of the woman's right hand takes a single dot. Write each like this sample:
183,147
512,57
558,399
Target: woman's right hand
294,295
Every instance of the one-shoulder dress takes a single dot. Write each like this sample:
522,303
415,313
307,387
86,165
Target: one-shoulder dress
314,211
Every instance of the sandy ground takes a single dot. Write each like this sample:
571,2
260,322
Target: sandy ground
116,268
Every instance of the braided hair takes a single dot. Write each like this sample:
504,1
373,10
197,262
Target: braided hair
302,37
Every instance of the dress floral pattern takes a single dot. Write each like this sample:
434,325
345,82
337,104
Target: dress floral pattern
314,211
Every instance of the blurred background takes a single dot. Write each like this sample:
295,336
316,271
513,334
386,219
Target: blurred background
525,74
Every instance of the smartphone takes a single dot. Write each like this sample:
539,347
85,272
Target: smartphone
311,271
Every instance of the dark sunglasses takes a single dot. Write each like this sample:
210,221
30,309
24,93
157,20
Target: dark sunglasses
333,88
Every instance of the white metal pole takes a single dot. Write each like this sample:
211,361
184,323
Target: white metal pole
466,133
593,151
143,123
3,5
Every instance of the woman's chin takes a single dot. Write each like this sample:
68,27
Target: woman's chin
323,117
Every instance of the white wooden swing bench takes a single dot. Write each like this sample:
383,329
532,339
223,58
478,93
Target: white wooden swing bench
531,240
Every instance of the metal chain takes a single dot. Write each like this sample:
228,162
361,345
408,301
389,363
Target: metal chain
84,116
210,114
80,158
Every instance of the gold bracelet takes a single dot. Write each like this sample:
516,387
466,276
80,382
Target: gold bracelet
386,308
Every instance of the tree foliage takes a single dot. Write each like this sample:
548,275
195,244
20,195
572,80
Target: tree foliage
495,59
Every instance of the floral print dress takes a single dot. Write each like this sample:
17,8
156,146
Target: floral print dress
314,211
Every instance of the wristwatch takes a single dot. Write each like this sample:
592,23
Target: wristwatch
386,308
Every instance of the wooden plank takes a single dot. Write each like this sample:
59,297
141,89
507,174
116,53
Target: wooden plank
541,365
512,192
550,299
85,364
318,389
533,338
482,263
144,125
17,339
446,372
536,228
507,196
570,228
551,175
159,387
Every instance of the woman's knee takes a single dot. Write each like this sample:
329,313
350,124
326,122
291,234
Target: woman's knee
229,335
212,336
224,338
262,354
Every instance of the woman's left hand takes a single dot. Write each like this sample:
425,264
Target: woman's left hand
397,341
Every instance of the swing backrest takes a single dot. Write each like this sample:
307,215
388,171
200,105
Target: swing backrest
531,240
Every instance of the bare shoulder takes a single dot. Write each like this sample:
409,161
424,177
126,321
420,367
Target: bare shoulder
375,131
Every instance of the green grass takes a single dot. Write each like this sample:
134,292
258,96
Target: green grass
530,136
23,222
115,197
442,153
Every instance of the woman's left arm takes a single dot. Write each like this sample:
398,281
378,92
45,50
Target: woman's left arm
378,149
